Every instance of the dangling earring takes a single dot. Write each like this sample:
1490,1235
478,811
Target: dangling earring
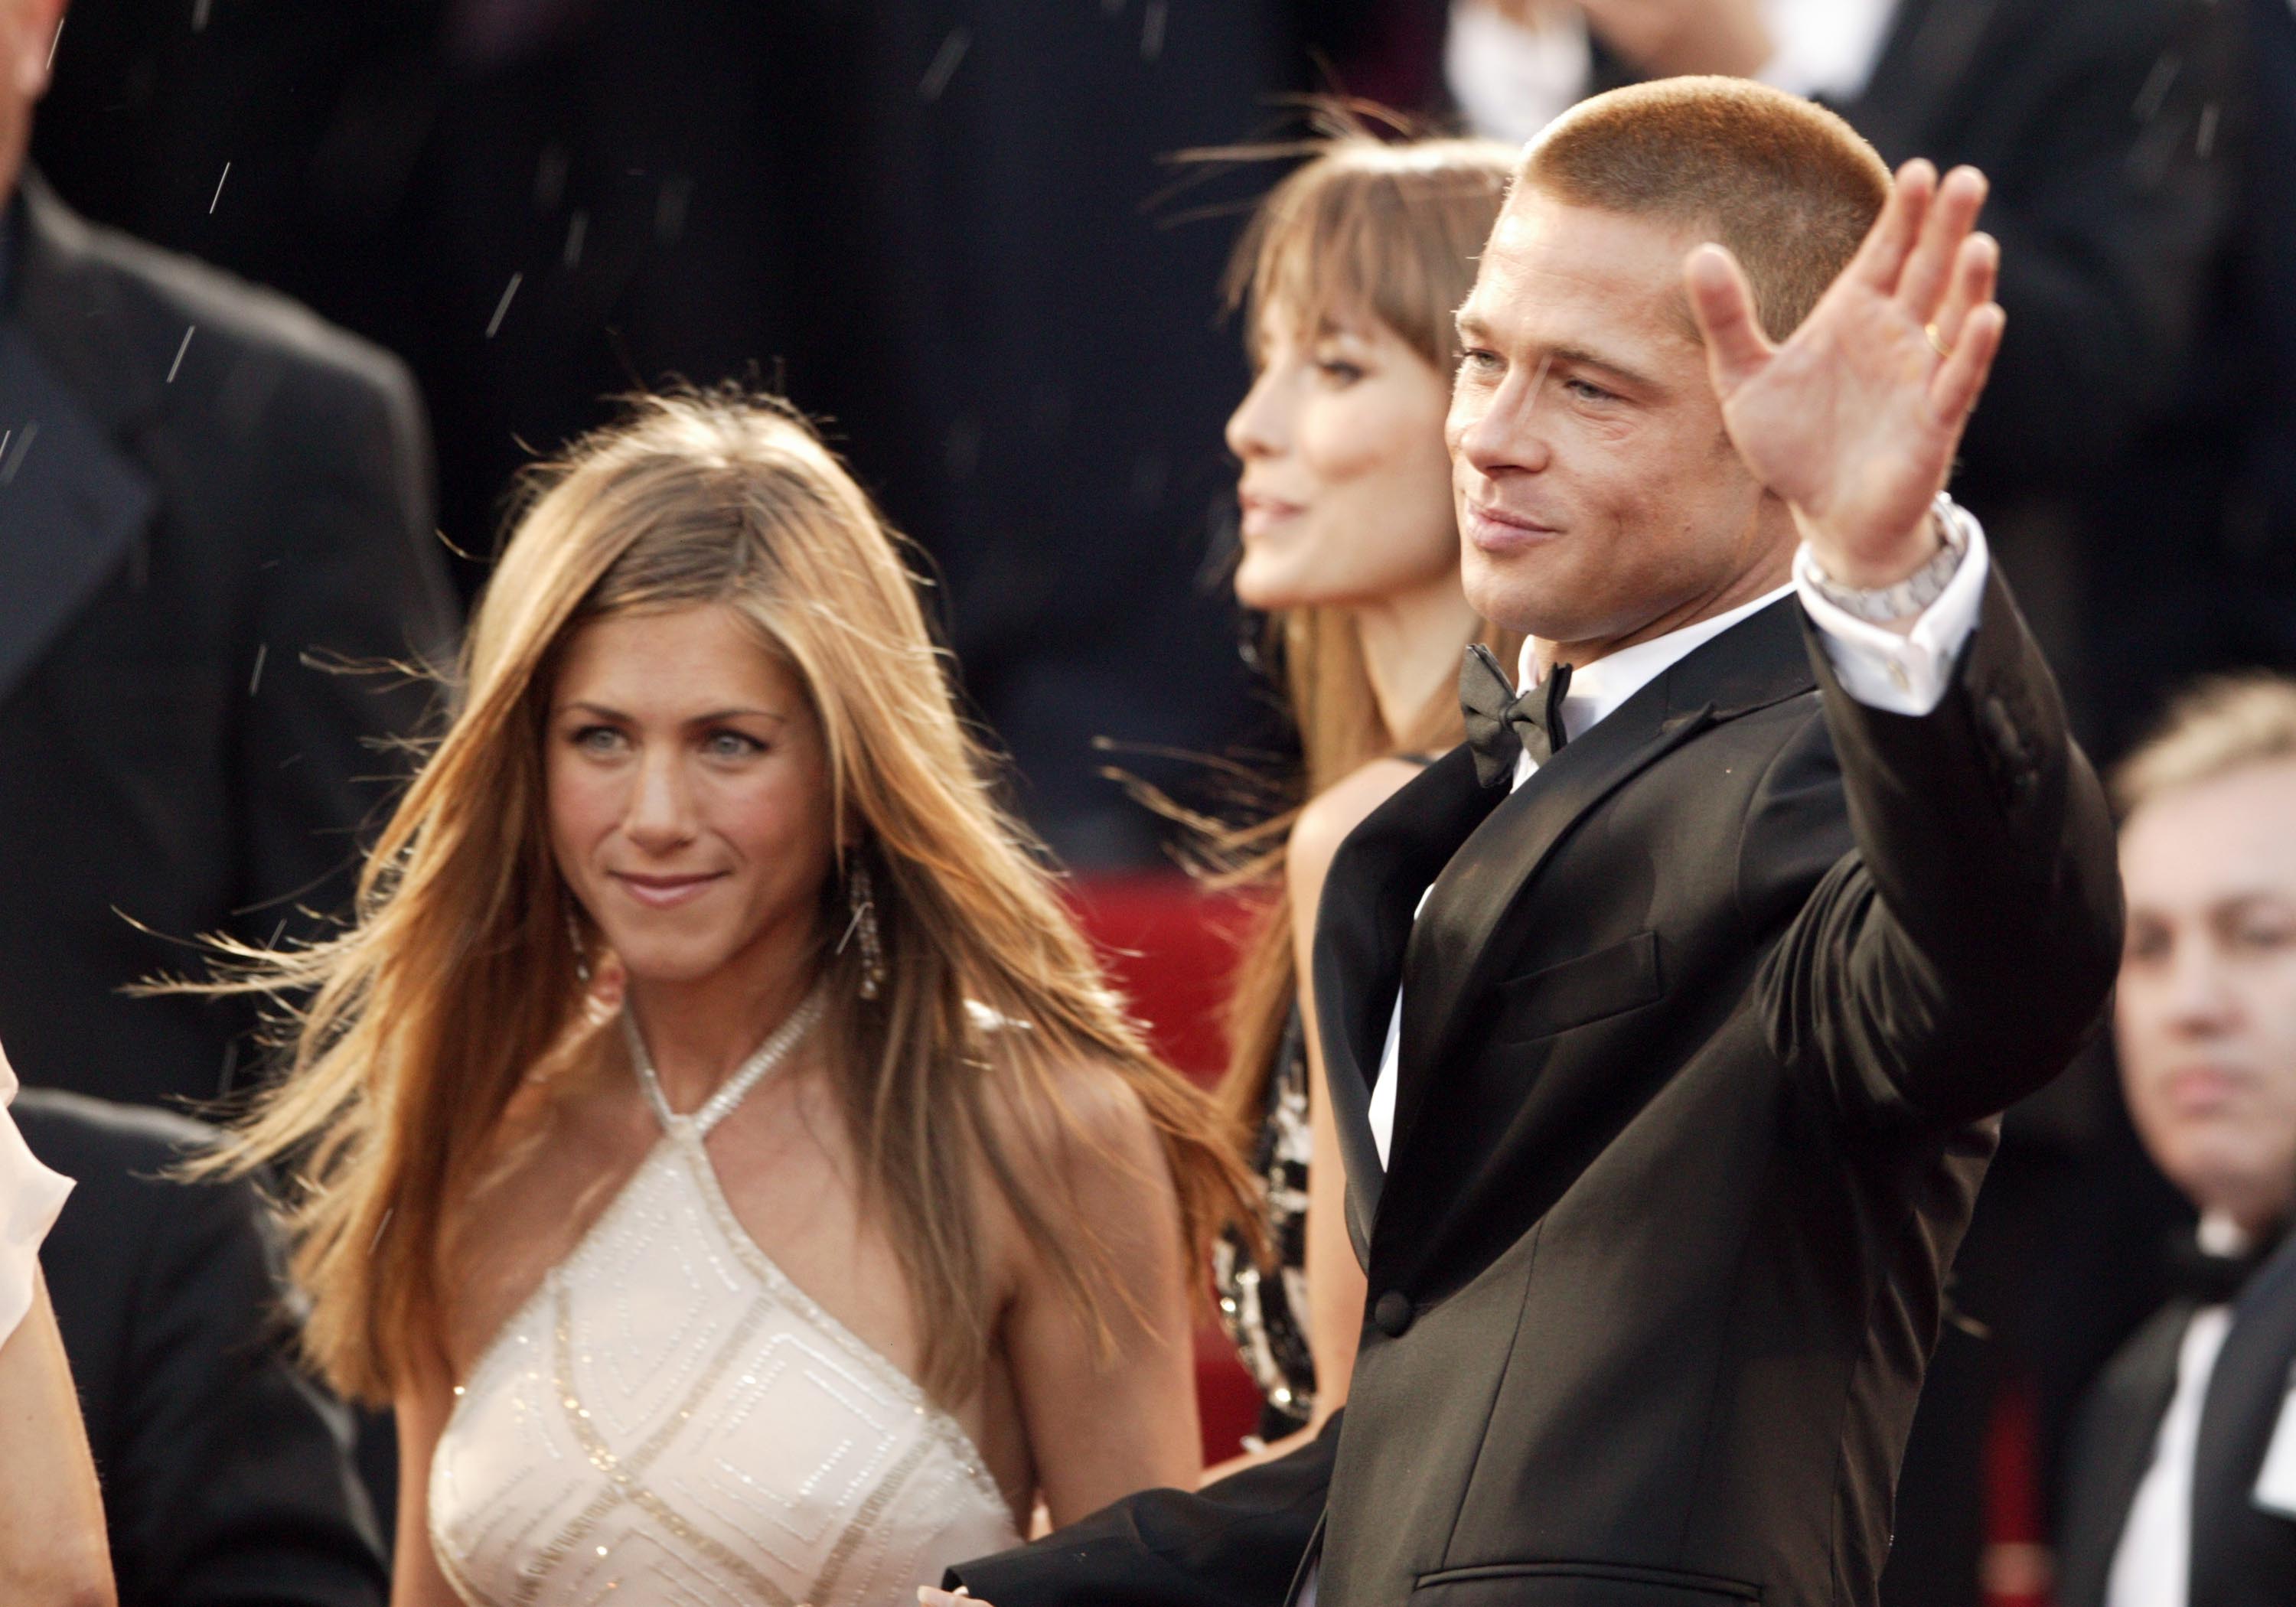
860,893
581,949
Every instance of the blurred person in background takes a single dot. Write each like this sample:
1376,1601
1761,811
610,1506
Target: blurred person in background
1348,276
932,222
226,1473
871,1220
2183,1479
206,495
52,1540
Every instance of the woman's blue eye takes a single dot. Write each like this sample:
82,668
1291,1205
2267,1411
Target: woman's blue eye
732,744
598,738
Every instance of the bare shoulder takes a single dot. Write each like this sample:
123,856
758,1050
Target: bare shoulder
1066,1128
1328,818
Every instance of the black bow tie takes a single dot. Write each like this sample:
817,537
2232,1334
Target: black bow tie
1502,725
2212,1280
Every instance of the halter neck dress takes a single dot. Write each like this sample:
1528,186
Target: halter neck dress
669,1419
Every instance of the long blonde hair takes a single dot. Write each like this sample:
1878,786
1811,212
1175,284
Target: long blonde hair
1392,229
458,976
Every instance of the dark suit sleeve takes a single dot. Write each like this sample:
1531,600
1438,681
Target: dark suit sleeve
2110,216
1955,958
228,1483
1234,1544
348,572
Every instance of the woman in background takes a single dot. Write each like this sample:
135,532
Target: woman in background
1348,276
866,1220
53,1548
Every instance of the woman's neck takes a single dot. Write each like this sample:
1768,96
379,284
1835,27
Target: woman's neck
698,1032
1411,646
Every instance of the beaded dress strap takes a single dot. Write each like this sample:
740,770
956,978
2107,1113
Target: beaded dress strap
747,1076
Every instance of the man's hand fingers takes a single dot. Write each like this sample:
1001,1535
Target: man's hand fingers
1960,380
1976,267
1736,349
1951,217
1882,258
927,1596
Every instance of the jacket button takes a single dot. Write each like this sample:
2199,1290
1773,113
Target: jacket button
1392,1314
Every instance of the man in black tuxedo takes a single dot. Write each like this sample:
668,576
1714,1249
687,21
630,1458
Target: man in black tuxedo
227,1480
206,494
2182,1490
1659,1159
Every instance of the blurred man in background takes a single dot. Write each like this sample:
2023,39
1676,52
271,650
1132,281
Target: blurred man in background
207,498
2184,1473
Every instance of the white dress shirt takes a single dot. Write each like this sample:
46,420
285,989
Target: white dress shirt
1904,674
1511,81
2153,1564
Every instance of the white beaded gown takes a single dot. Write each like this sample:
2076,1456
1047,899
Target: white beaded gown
670,1419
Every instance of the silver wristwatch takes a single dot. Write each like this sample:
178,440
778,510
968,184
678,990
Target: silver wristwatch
1884,604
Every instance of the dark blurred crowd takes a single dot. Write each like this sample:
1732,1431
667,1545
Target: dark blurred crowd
963,234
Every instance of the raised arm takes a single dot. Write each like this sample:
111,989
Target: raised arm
1959,956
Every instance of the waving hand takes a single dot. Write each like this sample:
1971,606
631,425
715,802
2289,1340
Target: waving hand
1855,420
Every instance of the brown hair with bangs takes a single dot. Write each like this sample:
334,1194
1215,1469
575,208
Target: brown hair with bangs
1388,229
458,981
1787,186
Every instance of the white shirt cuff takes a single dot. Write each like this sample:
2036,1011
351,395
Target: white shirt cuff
31,1197
1882,669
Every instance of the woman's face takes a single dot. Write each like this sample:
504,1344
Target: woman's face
688,793
1346,490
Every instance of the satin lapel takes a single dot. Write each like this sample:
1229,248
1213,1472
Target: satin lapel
1931,47
1375,883
2252,1380
2116,1451
1451,952
71,507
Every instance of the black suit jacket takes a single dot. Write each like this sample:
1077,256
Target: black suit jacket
1704,1031
204,491
2242,1556
225,1470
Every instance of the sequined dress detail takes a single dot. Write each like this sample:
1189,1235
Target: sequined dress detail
670,1419
1266,1311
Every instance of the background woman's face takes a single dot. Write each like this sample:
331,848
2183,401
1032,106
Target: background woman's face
1345,486
688,793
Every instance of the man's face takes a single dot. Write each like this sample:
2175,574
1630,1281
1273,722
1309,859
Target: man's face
2206,1013
1599,498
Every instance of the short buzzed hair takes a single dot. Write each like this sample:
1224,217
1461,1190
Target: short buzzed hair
2221,724
1789,187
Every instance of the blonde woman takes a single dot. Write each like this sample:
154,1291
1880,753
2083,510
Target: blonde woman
866,1221
1348,276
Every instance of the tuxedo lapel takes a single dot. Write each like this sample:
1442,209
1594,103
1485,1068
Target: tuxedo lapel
2118,1432
1451,954
1375,883
2246,1391
72,504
